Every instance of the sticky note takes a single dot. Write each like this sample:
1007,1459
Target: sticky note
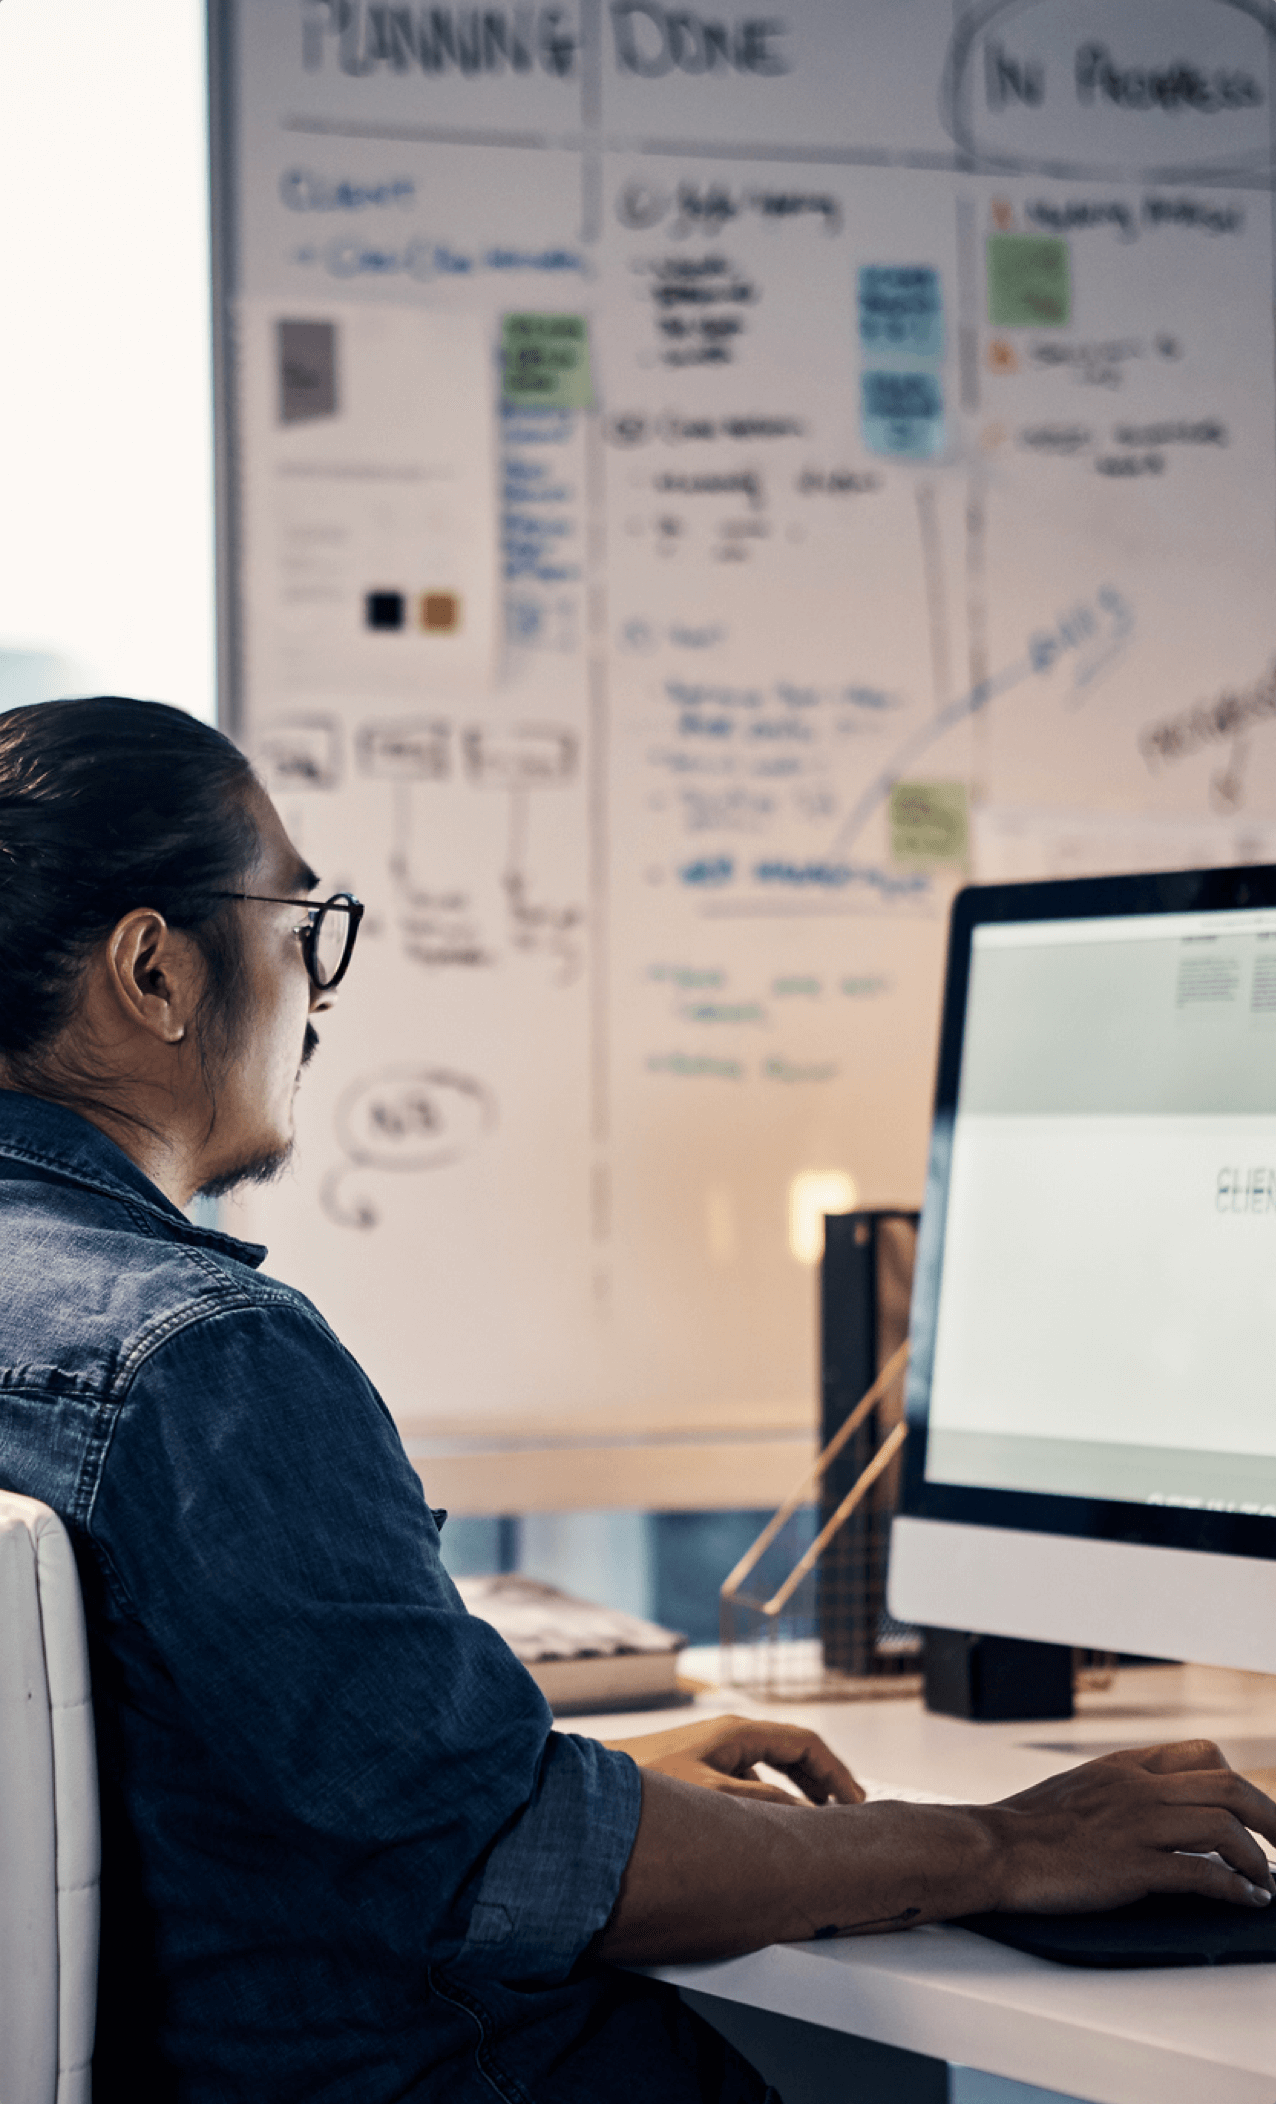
902,414
1029,281
440,613
901,309
546,361
929,822
387,610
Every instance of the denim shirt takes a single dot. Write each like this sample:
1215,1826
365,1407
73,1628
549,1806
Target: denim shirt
345,1854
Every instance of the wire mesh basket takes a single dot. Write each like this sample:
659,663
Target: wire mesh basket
803,1618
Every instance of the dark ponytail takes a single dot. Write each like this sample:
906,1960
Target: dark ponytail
105,805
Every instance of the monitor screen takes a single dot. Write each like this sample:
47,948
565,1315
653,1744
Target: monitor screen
1094,1319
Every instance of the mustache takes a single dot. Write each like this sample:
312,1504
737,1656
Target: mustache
309,1044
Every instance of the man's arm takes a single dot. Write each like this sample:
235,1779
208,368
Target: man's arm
713,1873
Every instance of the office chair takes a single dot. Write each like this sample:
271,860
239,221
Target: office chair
48,1815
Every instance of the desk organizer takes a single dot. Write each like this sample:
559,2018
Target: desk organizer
804,1619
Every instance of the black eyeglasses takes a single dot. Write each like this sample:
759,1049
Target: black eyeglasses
328,943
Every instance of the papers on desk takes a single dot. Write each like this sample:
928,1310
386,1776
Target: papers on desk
583,1658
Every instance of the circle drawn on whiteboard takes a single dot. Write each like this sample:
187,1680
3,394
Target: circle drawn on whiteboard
413,1118
1029,88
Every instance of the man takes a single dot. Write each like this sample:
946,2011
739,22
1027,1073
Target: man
345,1856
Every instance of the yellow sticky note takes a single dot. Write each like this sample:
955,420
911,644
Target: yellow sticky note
930,822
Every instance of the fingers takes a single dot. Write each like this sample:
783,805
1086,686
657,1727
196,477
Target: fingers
733,1745
688,1769
1185,1755
1224,1788
1206,1876
1205,1828
1153,1819
800,1754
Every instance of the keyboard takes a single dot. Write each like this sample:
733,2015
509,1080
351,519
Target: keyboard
875,1792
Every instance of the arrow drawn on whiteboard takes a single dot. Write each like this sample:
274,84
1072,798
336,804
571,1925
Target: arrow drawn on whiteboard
1045,649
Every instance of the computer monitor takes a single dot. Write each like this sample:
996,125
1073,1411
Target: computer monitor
1091,1396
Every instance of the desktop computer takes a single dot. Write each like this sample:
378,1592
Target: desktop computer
1091,1400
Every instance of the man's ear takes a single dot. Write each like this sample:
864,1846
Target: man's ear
154,973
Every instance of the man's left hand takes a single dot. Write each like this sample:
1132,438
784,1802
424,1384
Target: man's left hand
721,1753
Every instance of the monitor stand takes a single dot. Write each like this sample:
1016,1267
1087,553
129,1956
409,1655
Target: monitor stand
995,1679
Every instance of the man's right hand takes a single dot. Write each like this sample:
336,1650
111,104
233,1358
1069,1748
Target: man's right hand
1152,1819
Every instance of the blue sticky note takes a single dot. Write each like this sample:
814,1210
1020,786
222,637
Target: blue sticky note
901,308
902,414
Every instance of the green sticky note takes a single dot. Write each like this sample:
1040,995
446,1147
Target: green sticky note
1029,281
929,822
546,360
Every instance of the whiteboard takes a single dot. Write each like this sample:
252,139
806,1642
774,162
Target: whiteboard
700,486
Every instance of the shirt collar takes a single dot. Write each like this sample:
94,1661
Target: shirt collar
49,1136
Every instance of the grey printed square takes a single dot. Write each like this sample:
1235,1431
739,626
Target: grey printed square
307,370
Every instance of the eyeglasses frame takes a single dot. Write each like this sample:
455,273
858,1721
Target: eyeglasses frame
352,907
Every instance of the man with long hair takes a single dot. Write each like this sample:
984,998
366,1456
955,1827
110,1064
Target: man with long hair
345,1854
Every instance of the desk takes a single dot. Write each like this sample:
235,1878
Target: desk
1187,2036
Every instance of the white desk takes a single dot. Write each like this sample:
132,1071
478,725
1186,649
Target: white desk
1192,2035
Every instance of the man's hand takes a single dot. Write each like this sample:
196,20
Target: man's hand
1152,1819
720,1753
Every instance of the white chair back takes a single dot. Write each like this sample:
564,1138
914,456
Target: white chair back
48,1815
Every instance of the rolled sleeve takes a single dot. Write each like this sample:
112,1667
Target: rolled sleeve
264,1528
551,1881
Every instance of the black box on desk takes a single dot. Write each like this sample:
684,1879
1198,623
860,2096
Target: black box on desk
995,1679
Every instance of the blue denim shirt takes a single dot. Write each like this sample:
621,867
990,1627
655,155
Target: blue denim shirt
345,1855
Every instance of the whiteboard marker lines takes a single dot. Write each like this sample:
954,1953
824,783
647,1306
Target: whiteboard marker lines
936,598
516,851
600,1166
1227,784
401,845
599,904
534,927
1046,647
1238,177
424,134
977,618
401,1120
968,282
591,69
912,749
591,113
598,776
919,905
795,156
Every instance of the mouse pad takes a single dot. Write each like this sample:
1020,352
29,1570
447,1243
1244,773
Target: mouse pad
1170,1929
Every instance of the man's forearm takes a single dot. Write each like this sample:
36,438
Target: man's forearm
713,1875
